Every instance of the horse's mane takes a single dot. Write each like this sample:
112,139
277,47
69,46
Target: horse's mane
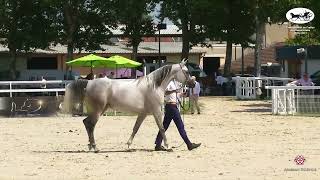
157,76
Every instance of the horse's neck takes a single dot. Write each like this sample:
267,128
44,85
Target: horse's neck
166,82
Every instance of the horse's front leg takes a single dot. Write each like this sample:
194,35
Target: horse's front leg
158,117
136,127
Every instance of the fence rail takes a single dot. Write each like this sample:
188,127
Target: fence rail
291,100
32,86
248,87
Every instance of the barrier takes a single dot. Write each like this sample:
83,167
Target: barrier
291,100
33,86
249,87
31,97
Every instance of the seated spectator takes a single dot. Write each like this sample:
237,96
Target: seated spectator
111,75
304,81
102,75
90,76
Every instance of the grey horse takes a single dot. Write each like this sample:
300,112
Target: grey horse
142,96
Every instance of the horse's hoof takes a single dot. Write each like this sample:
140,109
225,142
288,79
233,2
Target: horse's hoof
96,150
166,146
93,147
170,150
89,147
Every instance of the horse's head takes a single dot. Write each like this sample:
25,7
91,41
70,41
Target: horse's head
183,75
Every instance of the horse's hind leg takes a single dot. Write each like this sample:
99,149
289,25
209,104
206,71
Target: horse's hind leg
136,127
90,123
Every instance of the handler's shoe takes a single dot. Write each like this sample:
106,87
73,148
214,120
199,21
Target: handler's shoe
193,146
160,148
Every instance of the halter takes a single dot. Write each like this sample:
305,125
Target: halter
184,73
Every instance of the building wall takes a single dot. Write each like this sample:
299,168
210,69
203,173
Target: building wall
175,58
276,33
313,66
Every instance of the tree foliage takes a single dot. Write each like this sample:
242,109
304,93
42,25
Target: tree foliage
23,26
137,21
229,21
186,14
83,24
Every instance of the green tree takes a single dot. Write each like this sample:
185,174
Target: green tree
232,23
185,14
266,11
83,24
23,26
137,21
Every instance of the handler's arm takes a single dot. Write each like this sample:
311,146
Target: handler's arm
170,92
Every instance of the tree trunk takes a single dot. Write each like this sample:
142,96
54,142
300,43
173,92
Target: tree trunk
227,64
134,57
70,51
71,24
185,41
258,46
12,66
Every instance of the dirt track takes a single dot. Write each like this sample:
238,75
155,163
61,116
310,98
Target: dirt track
240,140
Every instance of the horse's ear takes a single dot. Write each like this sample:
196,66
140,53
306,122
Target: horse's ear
184,61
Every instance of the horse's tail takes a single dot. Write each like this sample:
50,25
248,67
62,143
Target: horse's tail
74,95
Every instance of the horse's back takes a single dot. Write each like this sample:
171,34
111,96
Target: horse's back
124,94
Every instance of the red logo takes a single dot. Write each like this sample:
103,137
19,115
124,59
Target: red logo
299,160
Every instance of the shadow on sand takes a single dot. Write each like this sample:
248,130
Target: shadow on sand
100,151
256,108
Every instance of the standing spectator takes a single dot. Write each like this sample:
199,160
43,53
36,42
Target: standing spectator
221,84
194,95
43,85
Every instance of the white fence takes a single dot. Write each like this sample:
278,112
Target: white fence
250,87
291,100
32,86
22,90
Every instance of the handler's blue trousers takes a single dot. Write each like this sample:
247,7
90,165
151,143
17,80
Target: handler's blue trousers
172,112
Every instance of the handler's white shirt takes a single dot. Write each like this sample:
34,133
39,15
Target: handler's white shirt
172,98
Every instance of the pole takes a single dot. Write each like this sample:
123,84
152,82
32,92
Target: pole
91,68
306,60
242,61
235,52
159,55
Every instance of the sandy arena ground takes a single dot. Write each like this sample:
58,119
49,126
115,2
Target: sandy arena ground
240,140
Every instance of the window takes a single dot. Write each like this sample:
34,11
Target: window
42,63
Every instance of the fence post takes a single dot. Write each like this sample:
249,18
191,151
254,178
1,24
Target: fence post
10,84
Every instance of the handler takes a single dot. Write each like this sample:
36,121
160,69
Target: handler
172,94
